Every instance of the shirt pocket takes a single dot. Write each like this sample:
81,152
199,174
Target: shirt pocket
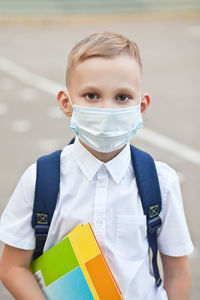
131,237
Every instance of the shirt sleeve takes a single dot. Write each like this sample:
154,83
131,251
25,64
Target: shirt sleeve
173,235
15,222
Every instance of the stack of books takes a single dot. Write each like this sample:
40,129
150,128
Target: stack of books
76,269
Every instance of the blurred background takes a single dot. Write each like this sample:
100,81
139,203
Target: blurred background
35,39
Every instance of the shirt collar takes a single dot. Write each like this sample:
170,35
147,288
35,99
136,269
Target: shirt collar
119,164
89,164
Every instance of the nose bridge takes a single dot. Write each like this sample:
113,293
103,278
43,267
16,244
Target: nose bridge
107,102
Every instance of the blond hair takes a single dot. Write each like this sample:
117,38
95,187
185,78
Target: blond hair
106,45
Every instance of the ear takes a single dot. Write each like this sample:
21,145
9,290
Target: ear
145,103
64,103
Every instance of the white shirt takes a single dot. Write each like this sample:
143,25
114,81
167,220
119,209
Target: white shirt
106,195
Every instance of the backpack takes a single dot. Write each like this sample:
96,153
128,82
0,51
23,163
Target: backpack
47,189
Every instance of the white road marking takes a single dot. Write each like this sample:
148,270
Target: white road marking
3,109
170,145
52,88
21,126
28,95
26,76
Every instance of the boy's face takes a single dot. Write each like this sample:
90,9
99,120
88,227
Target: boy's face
105,83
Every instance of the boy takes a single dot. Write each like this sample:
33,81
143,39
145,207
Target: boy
105,101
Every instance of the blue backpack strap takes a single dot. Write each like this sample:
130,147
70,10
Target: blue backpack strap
149,190
72,141
46,193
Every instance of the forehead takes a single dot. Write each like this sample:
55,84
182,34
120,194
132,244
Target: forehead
113,71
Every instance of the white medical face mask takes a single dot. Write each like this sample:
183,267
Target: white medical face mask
105,130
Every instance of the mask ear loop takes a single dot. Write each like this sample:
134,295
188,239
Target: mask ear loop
140,106
70,99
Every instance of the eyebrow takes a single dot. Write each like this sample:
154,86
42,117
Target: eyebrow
121,89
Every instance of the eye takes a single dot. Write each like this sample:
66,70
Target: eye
122,98
91,96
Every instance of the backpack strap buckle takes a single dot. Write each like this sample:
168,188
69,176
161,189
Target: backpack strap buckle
41,231
153,224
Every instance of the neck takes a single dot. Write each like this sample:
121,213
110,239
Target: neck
105,157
